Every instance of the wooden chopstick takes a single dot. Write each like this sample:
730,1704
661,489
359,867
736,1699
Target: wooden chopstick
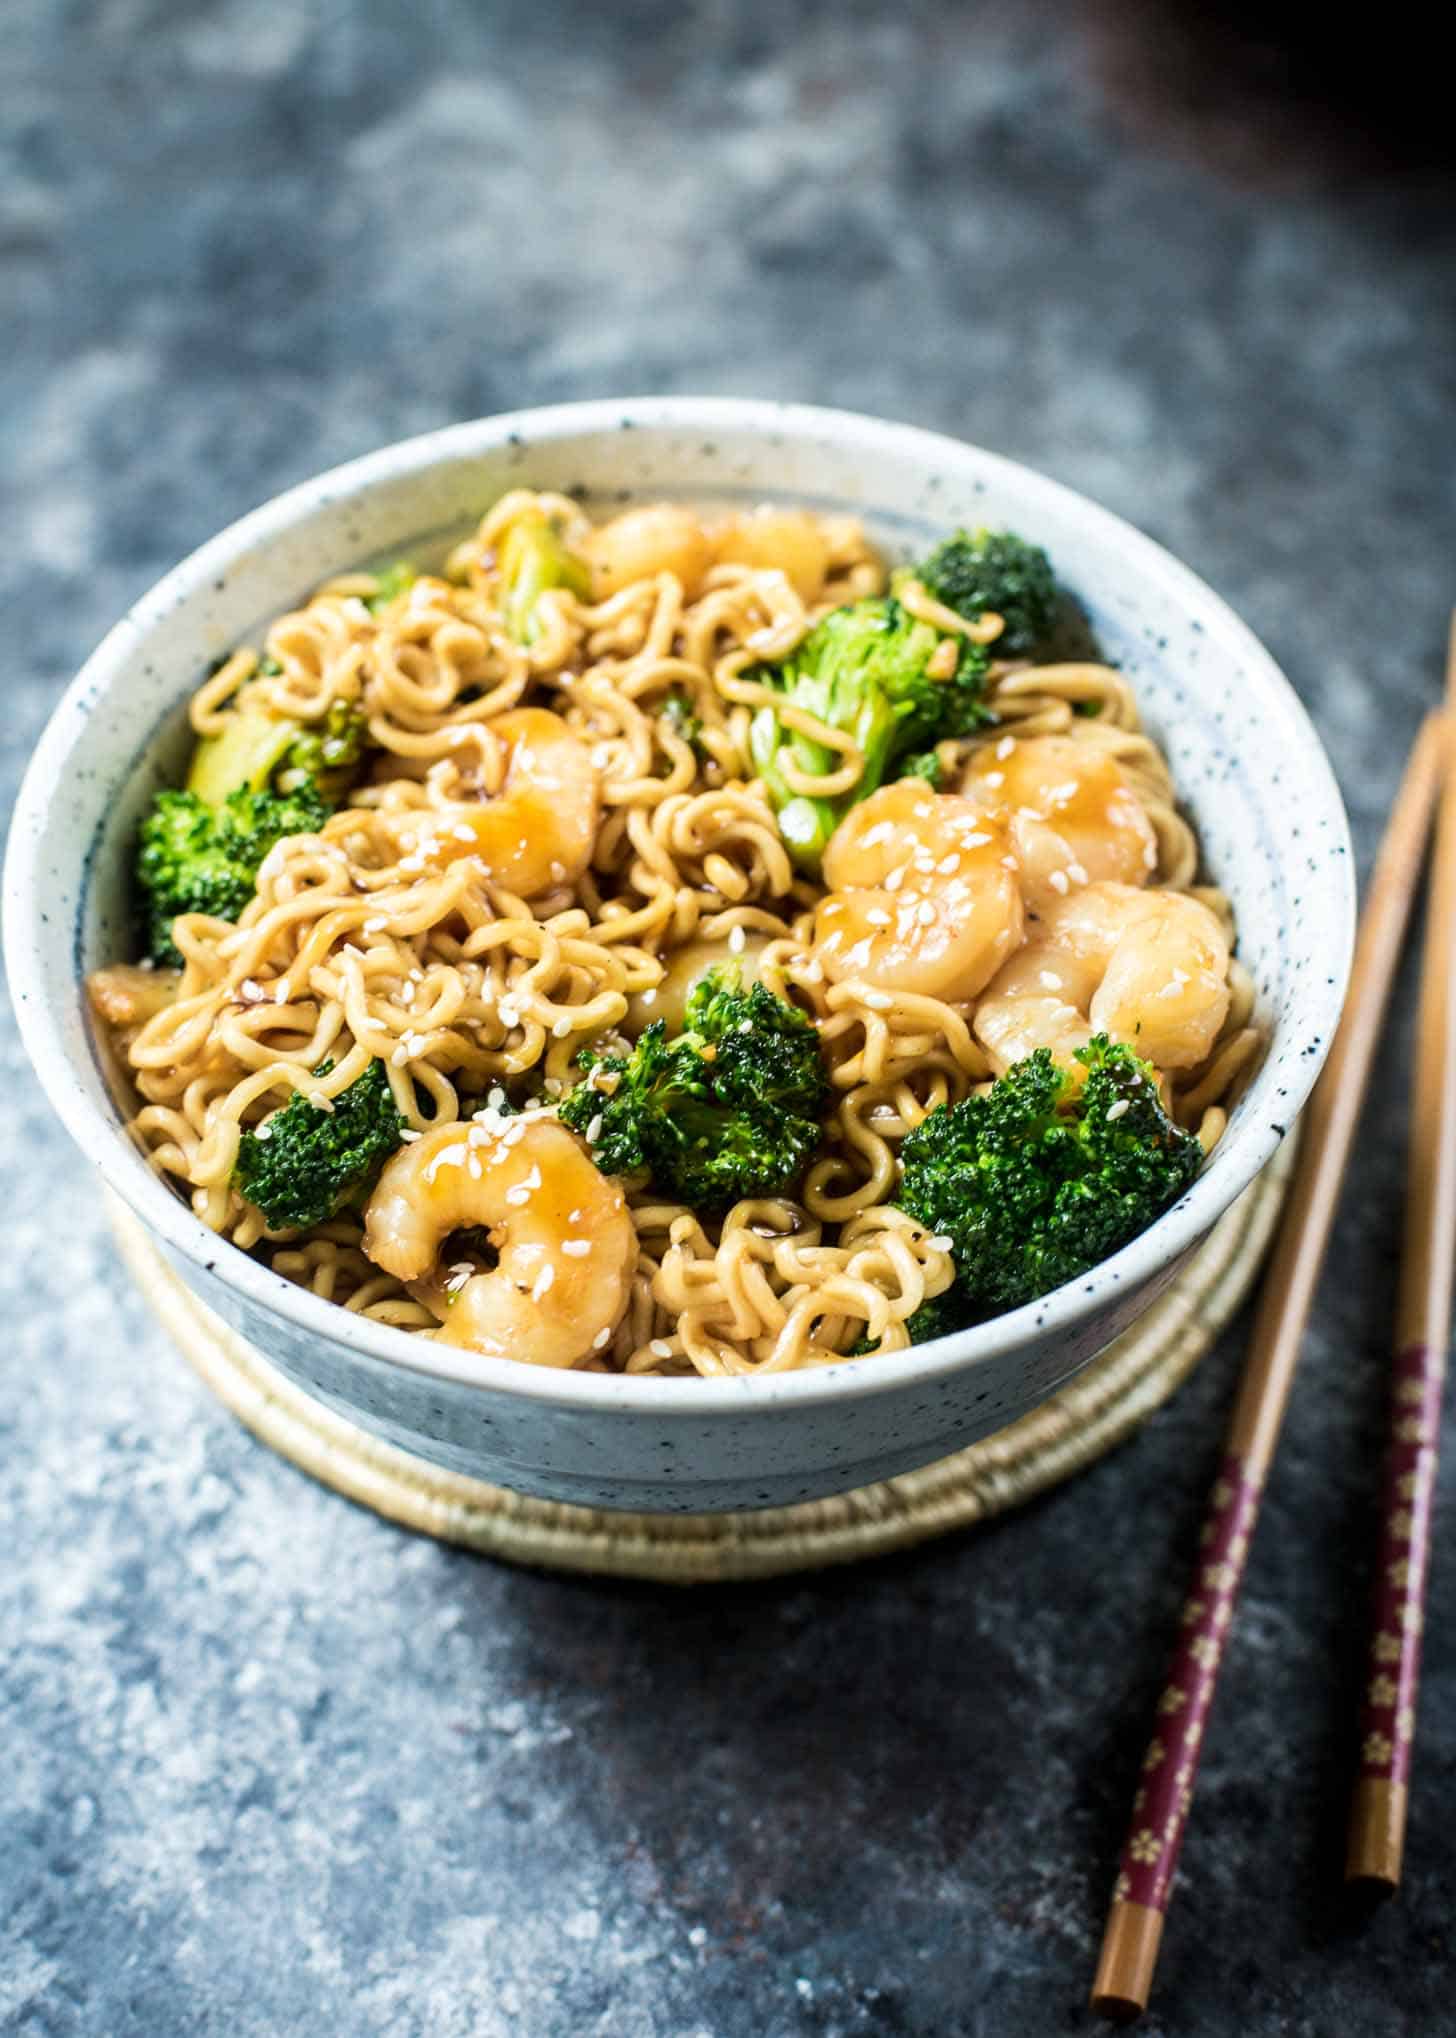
1422,1330
1160,1808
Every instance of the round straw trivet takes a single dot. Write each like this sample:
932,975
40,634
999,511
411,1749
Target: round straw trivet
1101,1406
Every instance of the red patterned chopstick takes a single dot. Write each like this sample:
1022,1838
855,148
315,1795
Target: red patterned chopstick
1160,1809
1422,1331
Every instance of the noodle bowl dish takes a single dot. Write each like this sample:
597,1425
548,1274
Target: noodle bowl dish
687,954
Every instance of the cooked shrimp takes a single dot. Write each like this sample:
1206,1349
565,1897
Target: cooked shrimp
538,832
792,540
923,894
1074,816
661,538
1147,968
566,1245
684,966
128,995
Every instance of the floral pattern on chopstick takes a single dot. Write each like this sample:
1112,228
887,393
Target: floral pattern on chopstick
1161,1803
1387,1718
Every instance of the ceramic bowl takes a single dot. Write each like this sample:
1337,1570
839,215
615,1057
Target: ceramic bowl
1248,767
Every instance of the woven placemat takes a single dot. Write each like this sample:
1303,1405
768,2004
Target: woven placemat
1105,1402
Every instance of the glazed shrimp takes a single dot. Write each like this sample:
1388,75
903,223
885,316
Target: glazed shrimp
662,537
923,894
567,1248
1147,968
538,832
1073,814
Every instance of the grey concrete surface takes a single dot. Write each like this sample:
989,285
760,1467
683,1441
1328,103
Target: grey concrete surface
268,1765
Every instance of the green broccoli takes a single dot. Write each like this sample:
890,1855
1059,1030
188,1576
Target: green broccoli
196,858
1040,1178
259,778
974,572
533,558
726,1109
390,582
326,753
303,1164
866,669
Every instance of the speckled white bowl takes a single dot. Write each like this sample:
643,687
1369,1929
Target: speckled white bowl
1247,763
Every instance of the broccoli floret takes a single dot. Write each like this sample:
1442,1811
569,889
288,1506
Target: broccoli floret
326,752
533,558
924,764
864,669
1042,1177
726,1109
195,858
976,571
389,584
261,777
302,1164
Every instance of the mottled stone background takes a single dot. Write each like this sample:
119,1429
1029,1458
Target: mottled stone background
269,1766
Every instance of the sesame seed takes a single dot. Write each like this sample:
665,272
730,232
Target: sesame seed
250,992
925,913
877,1001
736,940
408,1135
939,1242
1005,747
377,924
576,1248
1078,873
1057,879
602,1338
1116,1111
877,917
649,998
264,1132
519,1195
594,1130
661,1347
993,778
543,1281
461,833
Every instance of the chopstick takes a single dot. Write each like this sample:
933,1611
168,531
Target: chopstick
1422,1329
1160,1808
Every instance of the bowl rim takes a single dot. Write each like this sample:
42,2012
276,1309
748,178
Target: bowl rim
105,1142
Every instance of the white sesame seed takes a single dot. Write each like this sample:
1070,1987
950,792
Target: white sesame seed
736,940
1057,879
543,1281
925,913
377,924
649,998
594,1130
1005,747
461,833
1115,1111
576,1248
1078,874
280,991
602,1339
519,1195
938,1242
661,1348
264,1132
993,778
877,1001
408,1135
